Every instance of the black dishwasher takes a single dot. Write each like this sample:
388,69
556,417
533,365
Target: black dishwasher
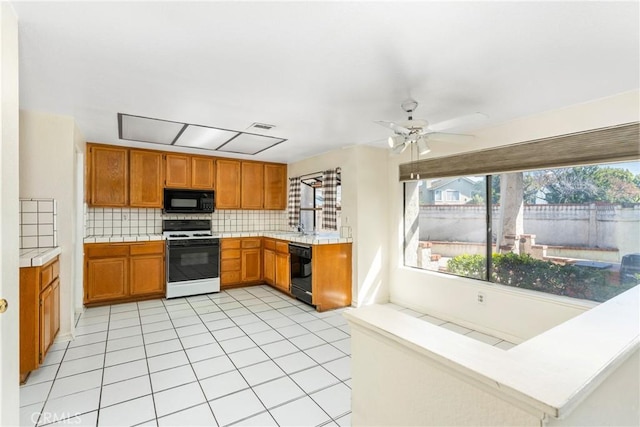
301,273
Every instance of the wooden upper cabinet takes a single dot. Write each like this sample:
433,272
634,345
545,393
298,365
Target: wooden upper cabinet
202,173
252,185
145,179
227,184
275,186
109,172
177,171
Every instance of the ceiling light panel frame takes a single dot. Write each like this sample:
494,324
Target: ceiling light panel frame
188,135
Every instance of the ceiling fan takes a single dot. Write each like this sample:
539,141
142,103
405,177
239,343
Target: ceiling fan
419,131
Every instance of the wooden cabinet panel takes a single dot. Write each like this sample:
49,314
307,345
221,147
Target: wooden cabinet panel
227,184
331,265
46,320
126,271
145,179
283,277
39,314
202,173
269,266
177,171
252,186
251,265
250,243
230,264
147,275
229,277
55,324
106,279
147,248
230,244
275,186
109,176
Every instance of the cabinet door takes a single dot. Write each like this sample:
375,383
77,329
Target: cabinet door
251,265
275,186
147,275
46,320
109,176
202,173
269,267
227,184
252,187
145,179
106,279
283,278
55,324
177,171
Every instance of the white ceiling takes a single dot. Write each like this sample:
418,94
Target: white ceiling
321,72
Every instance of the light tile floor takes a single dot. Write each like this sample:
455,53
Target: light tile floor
249,356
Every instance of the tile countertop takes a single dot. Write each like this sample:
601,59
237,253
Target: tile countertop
120,239
38,256
312,239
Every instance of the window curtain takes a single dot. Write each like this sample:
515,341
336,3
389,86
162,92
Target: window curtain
330,194
294,201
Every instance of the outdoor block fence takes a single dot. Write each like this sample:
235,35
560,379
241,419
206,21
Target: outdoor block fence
604,226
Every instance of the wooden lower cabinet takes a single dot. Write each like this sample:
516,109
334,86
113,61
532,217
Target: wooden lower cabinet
251,265
39,314
283,275
269,266
331,281
240,261
147,275
106,279
117,272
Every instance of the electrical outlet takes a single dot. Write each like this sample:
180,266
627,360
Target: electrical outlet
125,217
482,299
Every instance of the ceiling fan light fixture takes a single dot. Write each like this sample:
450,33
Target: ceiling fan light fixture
423,148
399,148
395,140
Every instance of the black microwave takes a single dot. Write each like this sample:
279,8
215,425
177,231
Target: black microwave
188,201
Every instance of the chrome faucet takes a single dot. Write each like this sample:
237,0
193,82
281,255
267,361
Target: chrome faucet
301,228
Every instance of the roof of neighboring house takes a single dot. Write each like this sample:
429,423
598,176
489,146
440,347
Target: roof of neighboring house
446,181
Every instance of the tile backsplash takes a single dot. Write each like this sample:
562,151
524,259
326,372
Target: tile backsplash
38,223
133,221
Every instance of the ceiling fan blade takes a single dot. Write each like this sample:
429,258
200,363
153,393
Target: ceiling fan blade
469,119
442,136
394,127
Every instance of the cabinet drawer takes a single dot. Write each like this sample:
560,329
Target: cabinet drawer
230,244
230,254
230,265
46,275
282,247
55,268
147,248
106,250
229,277
270,244
250,243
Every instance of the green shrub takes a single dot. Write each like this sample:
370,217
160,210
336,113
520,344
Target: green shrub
523,271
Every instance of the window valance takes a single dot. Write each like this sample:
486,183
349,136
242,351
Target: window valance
610,144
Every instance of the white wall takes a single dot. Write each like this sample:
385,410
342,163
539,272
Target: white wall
9,243
508,313
48,169
364,198
614,402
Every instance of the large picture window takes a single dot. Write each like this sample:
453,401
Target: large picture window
569,231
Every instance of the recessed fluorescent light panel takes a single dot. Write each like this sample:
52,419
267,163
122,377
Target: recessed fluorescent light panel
144,129
157,131
204,137
247,143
